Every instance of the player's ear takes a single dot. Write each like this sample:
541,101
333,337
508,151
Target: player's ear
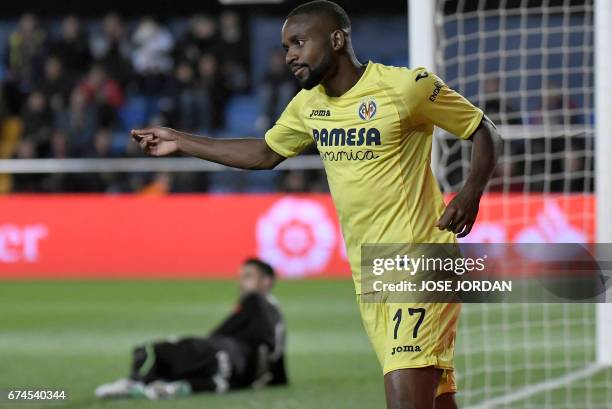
338,40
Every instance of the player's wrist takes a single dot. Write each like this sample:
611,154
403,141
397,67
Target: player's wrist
475,187
180,141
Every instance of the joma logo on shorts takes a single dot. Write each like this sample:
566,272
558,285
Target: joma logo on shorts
405,348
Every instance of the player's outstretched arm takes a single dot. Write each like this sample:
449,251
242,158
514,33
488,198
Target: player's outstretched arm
460,214
246,153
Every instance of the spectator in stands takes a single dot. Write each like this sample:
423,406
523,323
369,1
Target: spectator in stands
72,48
161,184
56,85
501,112
10,133
317,181
201,38
111,48
556,108
25,51
300,181
189,107
101,147
105,93
566,153
79,122
26,149
34,141
275,90
294,181
211,82
59,145
57,182
151,58
234,52
37,120
12,96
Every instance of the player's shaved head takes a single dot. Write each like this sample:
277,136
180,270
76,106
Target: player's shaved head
333,14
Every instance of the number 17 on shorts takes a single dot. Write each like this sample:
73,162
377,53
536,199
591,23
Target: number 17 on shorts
419,335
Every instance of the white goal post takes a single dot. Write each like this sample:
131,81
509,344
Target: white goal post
422,48
603,160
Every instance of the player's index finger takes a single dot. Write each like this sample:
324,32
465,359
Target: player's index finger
144,131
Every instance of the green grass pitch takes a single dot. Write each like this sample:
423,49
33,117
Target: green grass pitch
75,335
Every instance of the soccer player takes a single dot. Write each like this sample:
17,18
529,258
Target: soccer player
372,125
246,350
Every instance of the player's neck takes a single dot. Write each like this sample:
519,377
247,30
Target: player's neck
346,75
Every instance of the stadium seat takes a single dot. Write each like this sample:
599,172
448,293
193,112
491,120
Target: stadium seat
119,140
241,114
135,112
226,182
262,181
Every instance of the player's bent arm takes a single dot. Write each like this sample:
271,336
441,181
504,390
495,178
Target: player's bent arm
245,153
486,147
460,214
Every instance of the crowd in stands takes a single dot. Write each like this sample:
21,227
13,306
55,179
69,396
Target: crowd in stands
73,89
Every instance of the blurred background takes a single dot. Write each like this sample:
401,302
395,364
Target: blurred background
102,248
74,84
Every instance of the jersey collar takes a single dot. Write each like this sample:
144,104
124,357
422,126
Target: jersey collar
351,90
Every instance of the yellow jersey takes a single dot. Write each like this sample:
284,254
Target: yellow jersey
375,144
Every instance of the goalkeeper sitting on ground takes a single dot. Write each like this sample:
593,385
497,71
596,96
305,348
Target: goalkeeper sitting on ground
246,350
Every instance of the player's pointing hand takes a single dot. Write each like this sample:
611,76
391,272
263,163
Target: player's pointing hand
156,141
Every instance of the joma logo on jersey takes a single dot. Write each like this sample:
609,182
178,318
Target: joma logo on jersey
320,112
405,348
367,109
346,137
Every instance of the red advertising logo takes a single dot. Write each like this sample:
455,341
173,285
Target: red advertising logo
297,236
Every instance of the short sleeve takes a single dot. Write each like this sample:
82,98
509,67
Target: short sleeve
435,103
288,137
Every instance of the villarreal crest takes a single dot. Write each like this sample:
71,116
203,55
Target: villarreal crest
367,109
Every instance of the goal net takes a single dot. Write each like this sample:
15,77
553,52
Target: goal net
529,66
